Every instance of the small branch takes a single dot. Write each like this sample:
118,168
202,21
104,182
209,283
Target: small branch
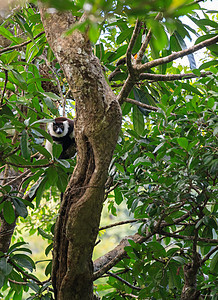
170,77
146,42
4,88
129,295
124,281
26,275
30,166
122,223
131,45
188,238
110,259
17,178
173,56
21,45
11,153
16,282
208,255
126,89
57,81
146,106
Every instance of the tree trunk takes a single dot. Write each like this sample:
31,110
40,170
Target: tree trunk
97,126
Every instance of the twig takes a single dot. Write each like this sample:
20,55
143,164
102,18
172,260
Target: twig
22,44
173,56
16,282
11,153
188,238
124,281
4,88
146,42
208,255
169,77
146,106
122,223
131,45
29,276
30,166
17,178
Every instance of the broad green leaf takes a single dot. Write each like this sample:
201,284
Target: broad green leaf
24,261
16,246
8,212
214,264
25,151
39,191
48,249
45,234
48,269
62,180
94,32
20,207
183,142
118,196
138,120
5,267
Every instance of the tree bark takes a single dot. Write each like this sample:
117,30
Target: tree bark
97,126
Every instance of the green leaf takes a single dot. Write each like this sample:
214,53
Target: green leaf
2,279
57,149
5,268
183,46
20,207
214,264
48,249
42,150
94,32
99,50
125,35
40,190
64,163
16,246
6,33
45,234
62,180
25,151
183,142
48,269
138,120
8,212
24,261
118,196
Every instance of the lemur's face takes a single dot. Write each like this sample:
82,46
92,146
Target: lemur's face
58,128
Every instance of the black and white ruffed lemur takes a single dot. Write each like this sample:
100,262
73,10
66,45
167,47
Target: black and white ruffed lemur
61,130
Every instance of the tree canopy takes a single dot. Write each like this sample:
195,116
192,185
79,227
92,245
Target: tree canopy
140,80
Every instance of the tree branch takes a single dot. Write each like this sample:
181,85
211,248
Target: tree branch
21,45
188,238
131,45
169,77
124,281
146,42
4,88
110,259
209,254
122,223
146,106
173,56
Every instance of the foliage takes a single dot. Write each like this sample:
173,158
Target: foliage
165,164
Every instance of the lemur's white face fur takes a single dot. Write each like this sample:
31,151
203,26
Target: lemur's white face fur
59,129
